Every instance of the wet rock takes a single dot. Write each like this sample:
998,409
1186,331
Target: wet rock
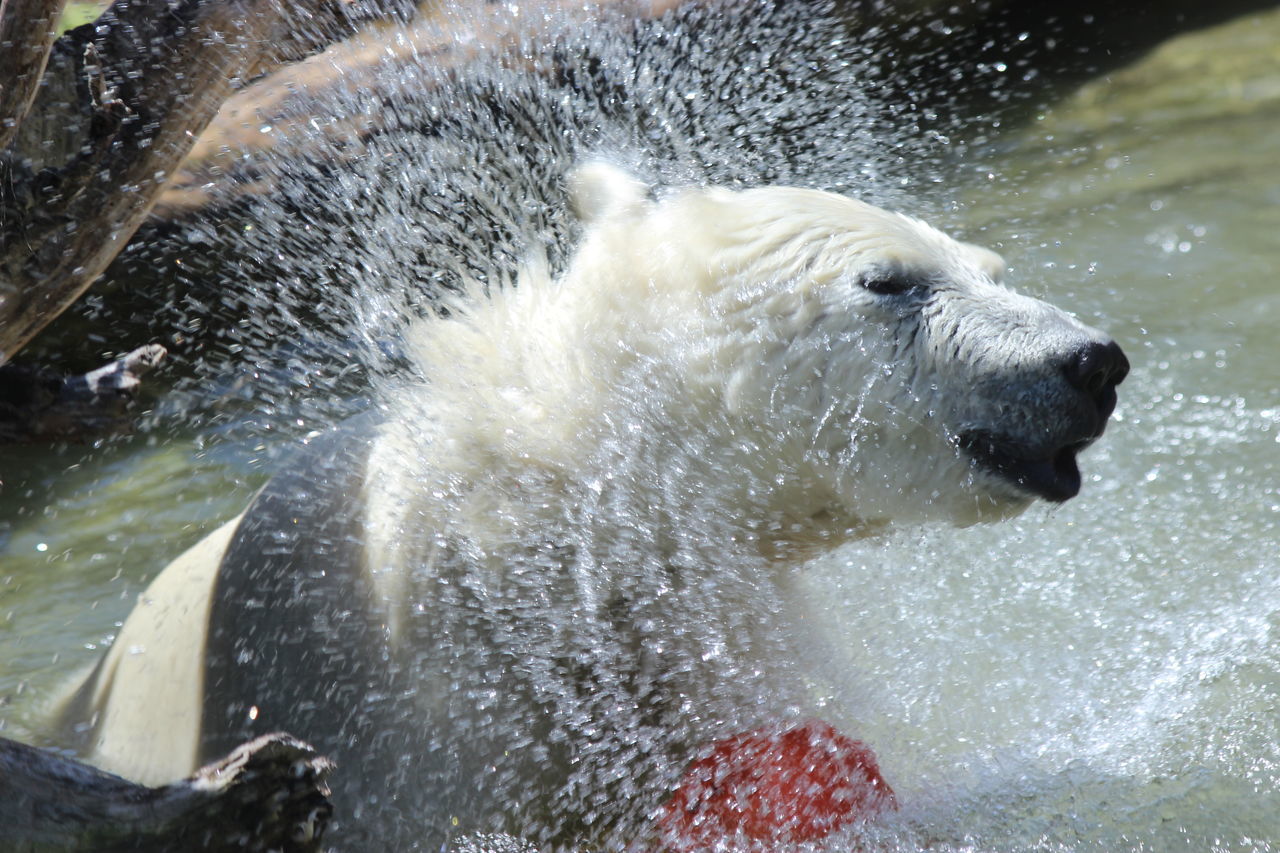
1189,111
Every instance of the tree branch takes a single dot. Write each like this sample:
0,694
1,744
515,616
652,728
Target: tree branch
132,93
27,31
152,78
268,794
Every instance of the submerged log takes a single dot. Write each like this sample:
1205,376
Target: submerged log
268,794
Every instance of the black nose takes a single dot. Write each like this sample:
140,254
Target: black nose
1096,367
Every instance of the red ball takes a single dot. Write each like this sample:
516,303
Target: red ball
774,786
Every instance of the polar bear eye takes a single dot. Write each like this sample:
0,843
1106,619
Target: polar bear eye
888,282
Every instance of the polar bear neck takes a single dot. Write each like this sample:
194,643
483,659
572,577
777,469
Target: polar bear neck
570,391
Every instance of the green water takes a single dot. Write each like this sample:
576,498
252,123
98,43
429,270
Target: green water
1104,675
83,530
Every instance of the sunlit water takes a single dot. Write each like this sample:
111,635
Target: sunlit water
1104,675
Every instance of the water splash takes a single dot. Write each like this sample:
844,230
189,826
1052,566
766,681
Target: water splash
435,167
994,670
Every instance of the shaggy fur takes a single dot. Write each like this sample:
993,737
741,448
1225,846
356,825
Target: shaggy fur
563,560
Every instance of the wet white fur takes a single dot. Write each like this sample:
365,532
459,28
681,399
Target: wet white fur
709,386
738,316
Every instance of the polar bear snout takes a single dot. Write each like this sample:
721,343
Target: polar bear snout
1052,475
1047,467
1095,370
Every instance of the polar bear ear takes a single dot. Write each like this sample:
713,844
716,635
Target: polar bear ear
987,261
599,190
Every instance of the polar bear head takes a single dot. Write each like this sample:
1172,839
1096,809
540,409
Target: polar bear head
826,364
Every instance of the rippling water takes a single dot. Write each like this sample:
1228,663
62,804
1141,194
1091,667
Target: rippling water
1102,675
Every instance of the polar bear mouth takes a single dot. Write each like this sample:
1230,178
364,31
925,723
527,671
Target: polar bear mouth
1054,476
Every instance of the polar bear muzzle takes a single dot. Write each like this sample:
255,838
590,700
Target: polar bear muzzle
1093,372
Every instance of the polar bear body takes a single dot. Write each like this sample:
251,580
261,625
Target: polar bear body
562,559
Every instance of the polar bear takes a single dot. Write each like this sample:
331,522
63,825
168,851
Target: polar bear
562,558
